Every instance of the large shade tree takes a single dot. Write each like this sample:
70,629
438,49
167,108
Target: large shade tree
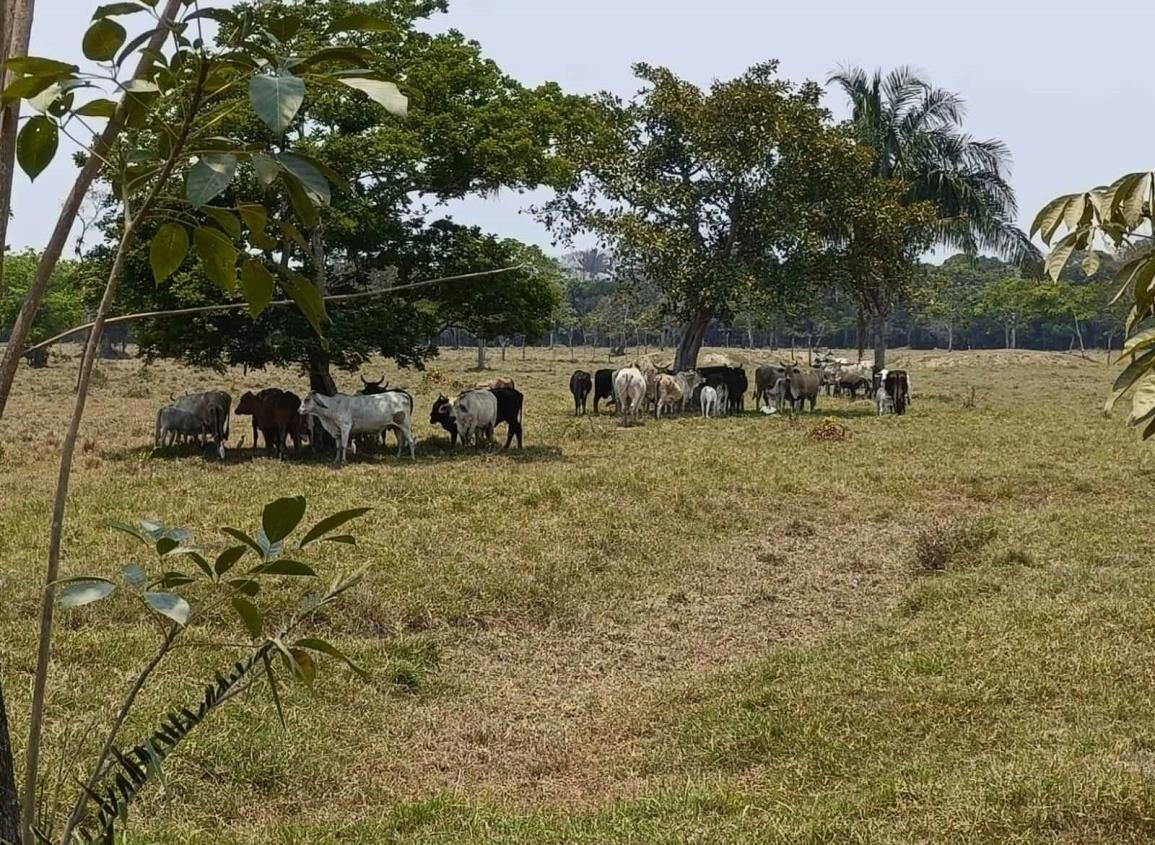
915,131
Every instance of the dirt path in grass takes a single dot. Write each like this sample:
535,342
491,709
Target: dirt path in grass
570,716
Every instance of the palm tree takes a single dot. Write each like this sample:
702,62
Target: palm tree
594,263
916,133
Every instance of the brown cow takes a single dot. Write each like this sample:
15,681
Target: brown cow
275,414
496,384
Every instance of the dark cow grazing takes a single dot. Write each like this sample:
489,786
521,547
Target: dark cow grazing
510,404
799,385
603,387
276,415
580,385
736,382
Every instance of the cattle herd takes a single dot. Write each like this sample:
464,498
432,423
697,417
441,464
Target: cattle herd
341,421
714,391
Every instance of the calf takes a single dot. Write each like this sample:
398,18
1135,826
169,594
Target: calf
736,385
709,401
580,385
603,387
212,408
343,416
276,414
173,422
891,391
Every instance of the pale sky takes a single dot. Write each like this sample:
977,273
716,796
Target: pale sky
1051,79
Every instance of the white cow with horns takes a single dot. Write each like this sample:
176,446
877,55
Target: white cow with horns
343,416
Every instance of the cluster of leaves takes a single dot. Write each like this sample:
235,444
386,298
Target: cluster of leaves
1115,214
176,597
173,113
63,306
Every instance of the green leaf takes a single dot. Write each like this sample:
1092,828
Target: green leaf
293,233
308,299
27,87
277,99
36,145
225,219
218,257
246,585
285,27
279,518
202,564
1047,221
330,524
111,9
1058,257
257,285
170,605
170,545
36,66
84,590
315,644
1091,263
361,22
303,666
172,579
254,215
133,530
358,57
227,559
98,108
302,205
346,539
168,250
132,45
293,568
212,173
384,94
250,615
237,534
1134,371
266,168
102,40
315,184
1143,340
135,575
1143,401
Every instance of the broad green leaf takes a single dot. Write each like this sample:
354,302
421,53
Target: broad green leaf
308,299
227,559
315,644
269,549
133,530
132,46
358,57
218,257
250,615
225,219
77,592
1131,205
1141,281
254,215
1058,257
1091,263
277,99
246,585
1074,212
219,15
170,605
1133,372
27,87
102,40
135,575
285,27
202,564
111,9
384,94
168,250
293,233
1143,400
266,168
286,567
36,66
257,285
212,174
36,145
1143,340
330,524
346,539
172,579
97,108
303,206
315,184
280,517
361,22
170,545
331,175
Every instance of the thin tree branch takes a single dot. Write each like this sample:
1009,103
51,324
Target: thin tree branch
236,306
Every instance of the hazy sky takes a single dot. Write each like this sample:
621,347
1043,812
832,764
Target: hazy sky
1029,70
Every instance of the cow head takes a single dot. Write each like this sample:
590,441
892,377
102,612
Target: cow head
371,388
248,403
442,414
314,403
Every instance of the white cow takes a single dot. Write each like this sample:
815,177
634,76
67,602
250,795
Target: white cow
709,400
630,392
343,416
475,414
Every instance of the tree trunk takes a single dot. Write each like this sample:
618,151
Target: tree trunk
950,335
860,336
1079,334
878,322
9,800
1006,335
690,342
480,354
1014,337
15,30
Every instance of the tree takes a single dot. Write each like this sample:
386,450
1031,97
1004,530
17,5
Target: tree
702,191
915,131
63,306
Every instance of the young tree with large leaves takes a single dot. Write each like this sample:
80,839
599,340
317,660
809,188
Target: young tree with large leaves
704,192
915,131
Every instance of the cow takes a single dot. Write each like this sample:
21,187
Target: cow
495,384
508,409
474,414
173,422
708,398
799,385
670,392
580,385
376,388
343,416
766,378
212,409
630,391
736,385
688,381
891,391
372,388
276,414
652,374
603,387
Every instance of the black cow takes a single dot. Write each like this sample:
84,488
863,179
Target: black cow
604,387
580,385
509,411
736,385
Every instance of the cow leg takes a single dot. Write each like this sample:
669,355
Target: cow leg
343,442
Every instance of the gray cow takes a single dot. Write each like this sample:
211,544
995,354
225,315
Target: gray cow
212,409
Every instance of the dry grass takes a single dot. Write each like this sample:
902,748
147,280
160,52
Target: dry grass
682,631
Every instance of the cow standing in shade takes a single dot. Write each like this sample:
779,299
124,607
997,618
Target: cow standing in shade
276,414
480,415
343,416
580,385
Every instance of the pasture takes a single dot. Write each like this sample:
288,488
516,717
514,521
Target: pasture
938,629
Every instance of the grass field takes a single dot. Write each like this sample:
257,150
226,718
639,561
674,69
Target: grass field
938,629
